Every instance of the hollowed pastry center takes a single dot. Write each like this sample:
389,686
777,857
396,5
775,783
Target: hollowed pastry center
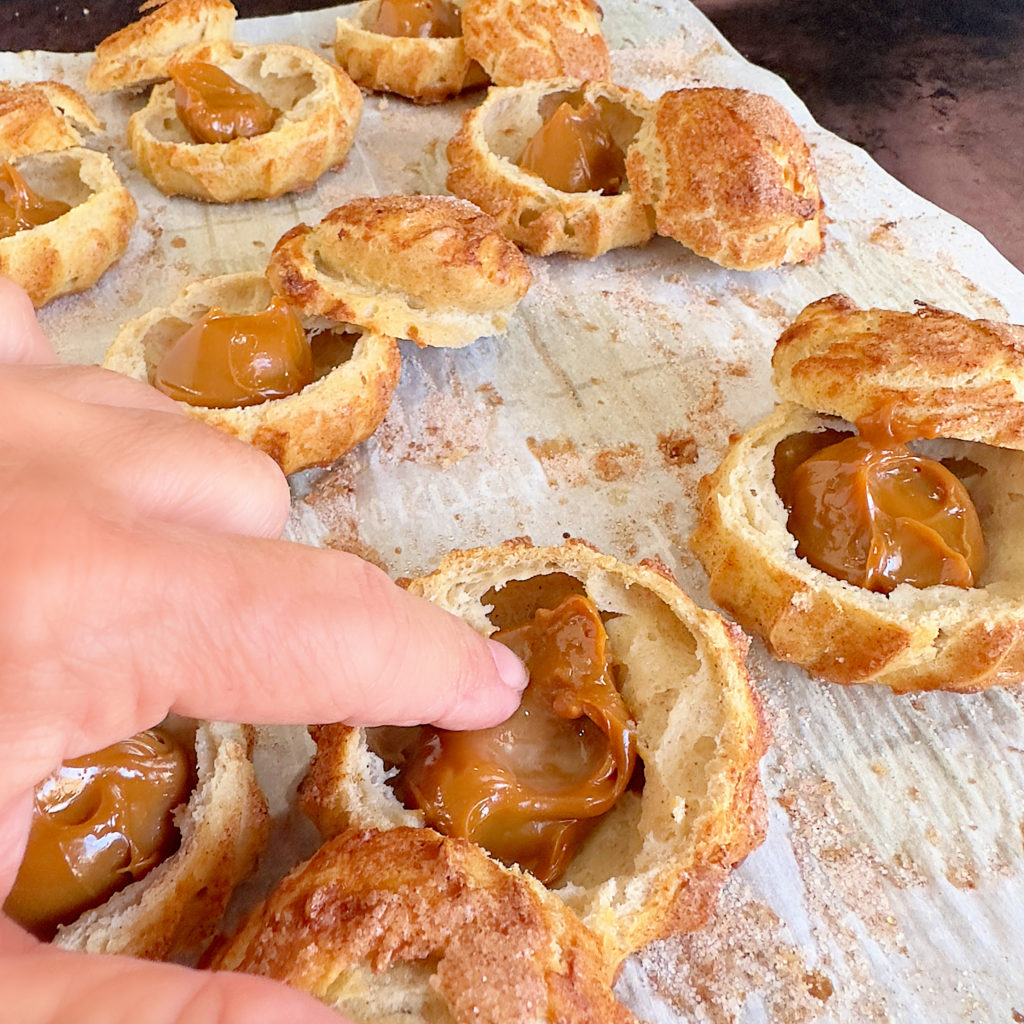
531,789
99,823
20,207
214,107
868,510
230,360
421,19
573,151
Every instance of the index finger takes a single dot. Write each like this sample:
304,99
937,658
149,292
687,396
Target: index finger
118,623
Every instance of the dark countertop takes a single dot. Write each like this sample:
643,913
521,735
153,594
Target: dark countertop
934,91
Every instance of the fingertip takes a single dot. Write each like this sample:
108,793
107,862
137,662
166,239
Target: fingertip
511,670
21,338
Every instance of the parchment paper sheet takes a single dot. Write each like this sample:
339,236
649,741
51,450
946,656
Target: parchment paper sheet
891,886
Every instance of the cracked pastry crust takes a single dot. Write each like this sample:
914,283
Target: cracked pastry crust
320,109
42,117
138,54
542,219
423,70
518,41
313,427
174,909
958,381
39,135
433,269
729,175
655,863
407,925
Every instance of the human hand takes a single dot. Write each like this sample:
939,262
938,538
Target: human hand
141,575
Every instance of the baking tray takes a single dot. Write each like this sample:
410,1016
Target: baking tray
891,884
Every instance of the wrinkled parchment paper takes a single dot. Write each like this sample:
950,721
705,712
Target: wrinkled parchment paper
891,886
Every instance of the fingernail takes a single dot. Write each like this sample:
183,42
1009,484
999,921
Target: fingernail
510,668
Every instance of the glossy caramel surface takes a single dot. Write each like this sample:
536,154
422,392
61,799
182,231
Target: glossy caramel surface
20,207
574,151
530,789
230,360
214,107
99,823
421,19
868,510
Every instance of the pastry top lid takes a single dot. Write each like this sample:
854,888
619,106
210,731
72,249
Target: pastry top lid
138,54
42,117
435,269
730,176
517,41
937,373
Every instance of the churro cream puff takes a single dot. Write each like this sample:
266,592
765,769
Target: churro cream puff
627,782
65,215
434,269
867,530
547,160
136,849
303,389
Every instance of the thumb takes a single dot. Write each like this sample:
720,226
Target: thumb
43,985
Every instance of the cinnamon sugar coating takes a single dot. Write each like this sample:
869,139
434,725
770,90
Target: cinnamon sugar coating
729,175
411,924
433,269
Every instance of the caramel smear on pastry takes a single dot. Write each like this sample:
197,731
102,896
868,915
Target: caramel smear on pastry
868,510
421,19
225,361
531,789
574,151
20,207
99,823
216,108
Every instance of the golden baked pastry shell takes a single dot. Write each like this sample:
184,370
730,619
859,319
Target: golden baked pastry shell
423,70
654,864
139,53
729,175
433,269
938,637
175,908
313,427
320,110
938,372
408,925
542,219
70,253
41,117
518,41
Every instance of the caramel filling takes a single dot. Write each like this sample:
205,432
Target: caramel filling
99,823
20,207
868,510
531,789
216,108
225,361
574,151
420,19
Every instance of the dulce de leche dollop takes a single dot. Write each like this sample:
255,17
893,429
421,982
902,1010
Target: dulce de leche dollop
99,822
530,789
421,19
216,108
574,151
20,207
868,510
230,360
